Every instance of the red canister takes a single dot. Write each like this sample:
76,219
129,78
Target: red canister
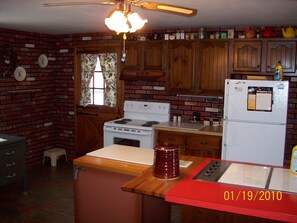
166,161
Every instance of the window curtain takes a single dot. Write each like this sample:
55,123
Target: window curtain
108,62
88,65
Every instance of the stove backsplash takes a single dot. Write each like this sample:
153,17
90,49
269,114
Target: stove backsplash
185,106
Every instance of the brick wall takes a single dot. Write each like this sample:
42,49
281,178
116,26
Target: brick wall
39,108
46,117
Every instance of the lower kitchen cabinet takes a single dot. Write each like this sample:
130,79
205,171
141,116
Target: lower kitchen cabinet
173,138
12,160
203,145
192,144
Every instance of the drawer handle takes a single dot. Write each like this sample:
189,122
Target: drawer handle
10,164
11,176
10,153
203,143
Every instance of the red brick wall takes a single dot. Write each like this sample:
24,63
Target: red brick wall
46,117
41,116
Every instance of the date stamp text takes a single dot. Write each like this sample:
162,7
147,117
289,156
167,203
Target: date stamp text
250,195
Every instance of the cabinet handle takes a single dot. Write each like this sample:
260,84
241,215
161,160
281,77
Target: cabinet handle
203,143
11,176
10,153
258,66
10,164
268,66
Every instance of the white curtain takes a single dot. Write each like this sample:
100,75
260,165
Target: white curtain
88,64
108,62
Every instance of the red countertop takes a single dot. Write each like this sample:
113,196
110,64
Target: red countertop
281,206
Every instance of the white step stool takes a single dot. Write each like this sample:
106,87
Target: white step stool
54,155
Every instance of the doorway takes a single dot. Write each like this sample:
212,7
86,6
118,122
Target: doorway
99,94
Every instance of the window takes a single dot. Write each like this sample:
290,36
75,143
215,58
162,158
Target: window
98,79
97,86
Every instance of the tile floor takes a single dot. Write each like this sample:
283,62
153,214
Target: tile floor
49,198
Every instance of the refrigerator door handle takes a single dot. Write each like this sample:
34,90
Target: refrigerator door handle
258,122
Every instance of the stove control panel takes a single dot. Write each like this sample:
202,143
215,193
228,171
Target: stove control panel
213,171
127,130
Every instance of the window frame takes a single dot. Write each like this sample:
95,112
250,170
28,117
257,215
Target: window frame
102,48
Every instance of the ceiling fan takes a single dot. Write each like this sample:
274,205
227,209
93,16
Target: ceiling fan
123,20
155,6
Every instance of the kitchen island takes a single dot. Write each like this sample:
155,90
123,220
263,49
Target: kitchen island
200,201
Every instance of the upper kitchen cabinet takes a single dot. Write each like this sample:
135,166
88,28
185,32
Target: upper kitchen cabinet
247,56
283,51
213,66
261,56
181,67
146,60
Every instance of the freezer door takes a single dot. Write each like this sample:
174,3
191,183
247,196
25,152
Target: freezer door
255,143
237,97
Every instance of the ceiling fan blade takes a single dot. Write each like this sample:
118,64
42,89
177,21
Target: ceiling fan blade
79,3
174,9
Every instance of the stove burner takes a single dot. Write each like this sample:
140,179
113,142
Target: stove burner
150,123
122,121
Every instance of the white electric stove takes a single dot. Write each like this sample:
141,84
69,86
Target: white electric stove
136,128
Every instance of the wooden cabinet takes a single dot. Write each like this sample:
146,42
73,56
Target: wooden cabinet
173,138
261,56
12,160
283,51
213,66
145,60
203,145
247,56
182,66
192,144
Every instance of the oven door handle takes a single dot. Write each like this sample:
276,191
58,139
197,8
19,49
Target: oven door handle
128,131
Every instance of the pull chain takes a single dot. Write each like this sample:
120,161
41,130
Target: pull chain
124,52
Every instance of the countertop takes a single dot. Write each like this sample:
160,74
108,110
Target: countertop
186,191
149,185
101,159
270,204
190,127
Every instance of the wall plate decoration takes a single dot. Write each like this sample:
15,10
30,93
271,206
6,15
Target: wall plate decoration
20,73
43,61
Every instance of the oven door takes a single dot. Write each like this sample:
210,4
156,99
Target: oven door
129,137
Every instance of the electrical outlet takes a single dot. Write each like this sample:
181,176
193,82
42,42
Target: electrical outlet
196,116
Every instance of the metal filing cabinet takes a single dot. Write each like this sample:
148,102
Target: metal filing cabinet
12,160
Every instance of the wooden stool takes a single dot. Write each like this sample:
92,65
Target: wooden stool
54,155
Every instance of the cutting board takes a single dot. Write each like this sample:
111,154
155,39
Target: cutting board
125,153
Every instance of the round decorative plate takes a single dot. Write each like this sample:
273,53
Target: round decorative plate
42,61
20,73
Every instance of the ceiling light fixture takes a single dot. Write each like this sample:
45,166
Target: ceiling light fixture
122,20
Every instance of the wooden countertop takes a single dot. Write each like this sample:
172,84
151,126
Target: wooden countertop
149,185
207,130
111,165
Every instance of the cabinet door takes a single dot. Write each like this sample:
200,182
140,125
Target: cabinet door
154,56
247,56
172,138
204,146
213,66
285,52
133,57
181,66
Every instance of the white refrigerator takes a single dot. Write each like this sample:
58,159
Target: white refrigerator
255,116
